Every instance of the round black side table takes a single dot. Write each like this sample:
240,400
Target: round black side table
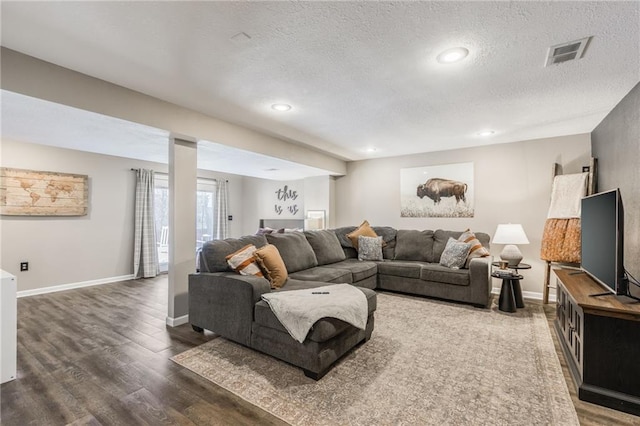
510,293
514,283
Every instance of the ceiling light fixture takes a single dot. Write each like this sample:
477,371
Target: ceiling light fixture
371,149
486,133
281,107
452,55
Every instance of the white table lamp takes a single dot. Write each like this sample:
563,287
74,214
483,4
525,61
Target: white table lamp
510,234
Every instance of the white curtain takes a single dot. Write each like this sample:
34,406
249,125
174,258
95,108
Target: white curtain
221,209
145,256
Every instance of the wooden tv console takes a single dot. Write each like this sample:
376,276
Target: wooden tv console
600,338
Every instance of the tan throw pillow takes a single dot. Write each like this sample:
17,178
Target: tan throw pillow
272,265
364,230
477,249
243,262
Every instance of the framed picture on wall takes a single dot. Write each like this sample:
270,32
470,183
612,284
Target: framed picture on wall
40,193
315,219
437,191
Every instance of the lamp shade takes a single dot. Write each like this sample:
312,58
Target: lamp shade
510,233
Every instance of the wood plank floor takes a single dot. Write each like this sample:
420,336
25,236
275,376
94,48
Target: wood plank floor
100,356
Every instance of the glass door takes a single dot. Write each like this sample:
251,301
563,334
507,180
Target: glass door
206,228
161,215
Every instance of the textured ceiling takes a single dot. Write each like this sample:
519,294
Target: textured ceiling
360,74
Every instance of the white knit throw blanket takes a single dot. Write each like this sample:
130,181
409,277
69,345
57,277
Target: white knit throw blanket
566,194
298,310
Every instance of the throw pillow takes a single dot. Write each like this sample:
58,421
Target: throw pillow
272,265
243,262
369,248
455,254
365,230
264,231
477,249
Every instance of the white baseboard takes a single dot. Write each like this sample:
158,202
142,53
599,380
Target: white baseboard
174,322
533,295
70,286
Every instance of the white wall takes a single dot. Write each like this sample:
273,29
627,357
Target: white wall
260,199
512,184
98,246
33,77
317,196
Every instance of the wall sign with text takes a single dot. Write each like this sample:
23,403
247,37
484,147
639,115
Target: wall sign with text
286,201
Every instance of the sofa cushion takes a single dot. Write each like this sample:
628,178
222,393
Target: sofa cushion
440,238
414,245
325,245
365,230
406,269
243,261
442,274
455,254
341,233
295,250
325,274
360,270
274,269
213,254
388,235
322,330
369,248
345,242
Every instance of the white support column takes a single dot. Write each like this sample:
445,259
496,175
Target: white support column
183,176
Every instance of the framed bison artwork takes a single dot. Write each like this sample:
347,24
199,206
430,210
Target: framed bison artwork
437,191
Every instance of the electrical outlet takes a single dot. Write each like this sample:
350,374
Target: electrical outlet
230,217
24,266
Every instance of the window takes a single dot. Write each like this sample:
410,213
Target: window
206,228
205,204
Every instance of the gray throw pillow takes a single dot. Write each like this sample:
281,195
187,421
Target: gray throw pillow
455,254
369,248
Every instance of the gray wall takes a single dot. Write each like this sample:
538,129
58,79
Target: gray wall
98,246
512,184
616,145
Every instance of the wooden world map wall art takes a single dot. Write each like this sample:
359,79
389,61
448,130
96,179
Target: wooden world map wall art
36,193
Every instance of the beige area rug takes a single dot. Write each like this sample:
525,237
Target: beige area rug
427,363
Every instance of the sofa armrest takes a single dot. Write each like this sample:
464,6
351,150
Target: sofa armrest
224,302
480,279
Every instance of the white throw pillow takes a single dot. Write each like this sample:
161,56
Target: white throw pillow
369,248
243,262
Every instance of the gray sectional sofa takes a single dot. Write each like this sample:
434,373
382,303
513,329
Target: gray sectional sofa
230,304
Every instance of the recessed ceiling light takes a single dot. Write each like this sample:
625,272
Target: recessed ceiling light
371,149
486,133
452,55
281,107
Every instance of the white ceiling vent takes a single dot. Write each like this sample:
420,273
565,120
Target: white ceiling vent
566,51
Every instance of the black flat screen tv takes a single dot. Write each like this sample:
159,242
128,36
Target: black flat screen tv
602,245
